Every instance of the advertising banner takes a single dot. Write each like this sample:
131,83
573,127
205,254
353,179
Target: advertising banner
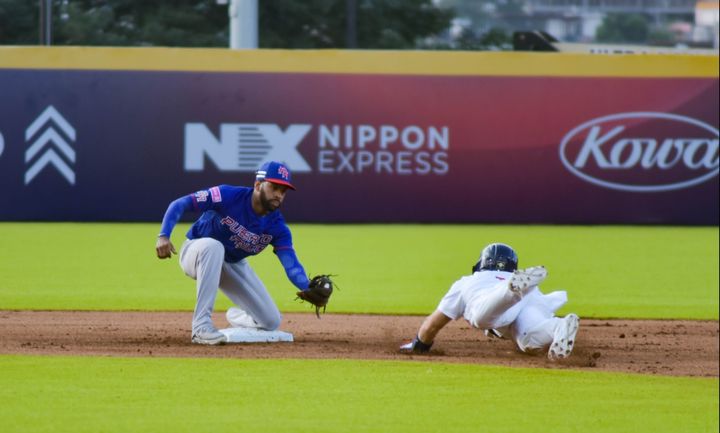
119,145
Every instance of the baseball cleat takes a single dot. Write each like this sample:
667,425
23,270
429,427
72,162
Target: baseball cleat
492,333
239,318
523,280
209,336
564,337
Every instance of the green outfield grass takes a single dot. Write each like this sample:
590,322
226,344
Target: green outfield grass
216,395
608,271
658,272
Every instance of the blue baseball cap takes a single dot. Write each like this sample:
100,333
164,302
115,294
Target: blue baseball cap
274,172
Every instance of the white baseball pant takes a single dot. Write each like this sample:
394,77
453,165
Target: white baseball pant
534,327
489,308
531,320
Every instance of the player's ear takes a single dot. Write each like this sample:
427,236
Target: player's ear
257,185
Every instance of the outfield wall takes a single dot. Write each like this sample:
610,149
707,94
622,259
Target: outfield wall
114,134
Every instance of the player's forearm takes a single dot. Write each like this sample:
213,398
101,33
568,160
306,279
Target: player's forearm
173,213
293,269
429,329
432,326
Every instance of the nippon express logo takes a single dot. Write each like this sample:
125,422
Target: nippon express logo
642,152
327,149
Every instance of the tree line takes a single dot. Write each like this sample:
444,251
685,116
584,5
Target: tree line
378,24
293,24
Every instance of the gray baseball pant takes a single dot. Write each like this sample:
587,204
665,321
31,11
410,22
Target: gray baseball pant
203,260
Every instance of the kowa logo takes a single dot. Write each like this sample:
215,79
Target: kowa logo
642,151
243,147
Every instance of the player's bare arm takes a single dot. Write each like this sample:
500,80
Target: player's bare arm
164,247
431,326
427,333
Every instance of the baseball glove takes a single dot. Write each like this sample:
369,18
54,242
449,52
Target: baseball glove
318,292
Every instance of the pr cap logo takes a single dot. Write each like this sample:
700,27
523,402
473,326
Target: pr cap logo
284,172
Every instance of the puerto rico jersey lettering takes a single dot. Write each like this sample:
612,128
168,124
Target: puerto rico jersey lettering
228,217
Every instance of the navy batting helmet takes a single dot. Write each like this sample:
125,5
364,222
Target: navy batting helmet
497,257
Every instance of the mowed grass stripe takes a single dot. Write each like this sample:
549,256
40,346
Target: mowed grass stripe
69,394
608,271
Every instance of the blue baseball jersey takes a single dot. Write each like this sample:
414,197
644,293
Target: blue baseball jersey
228,216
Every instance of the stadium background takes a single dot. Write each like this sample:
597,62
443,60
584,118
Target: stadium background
394,136
118,127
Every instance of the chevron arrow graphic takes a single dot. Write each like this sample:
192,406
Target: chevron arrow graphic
50,113
50,135
50,157
43,145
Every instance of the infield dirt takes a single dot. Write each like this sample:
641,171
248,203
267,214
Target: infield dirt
661,347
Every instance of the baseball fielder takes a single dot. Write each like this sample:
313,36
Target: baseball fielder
236,223
505,303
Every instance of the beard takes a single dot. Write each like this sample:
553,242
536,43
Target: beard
268,204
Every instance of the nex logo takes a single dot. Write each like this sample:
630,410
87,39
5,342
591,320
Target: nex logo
243,147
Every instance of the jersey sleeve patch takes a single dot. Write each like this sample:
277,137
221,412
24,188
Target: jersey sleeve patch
201,196
215,194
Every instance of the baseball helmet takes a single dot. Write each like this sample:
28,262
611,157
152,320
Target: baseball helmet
497,257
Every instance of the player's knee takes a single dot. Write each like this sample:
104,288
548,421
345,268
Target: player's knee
270,322
212,249
479,321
